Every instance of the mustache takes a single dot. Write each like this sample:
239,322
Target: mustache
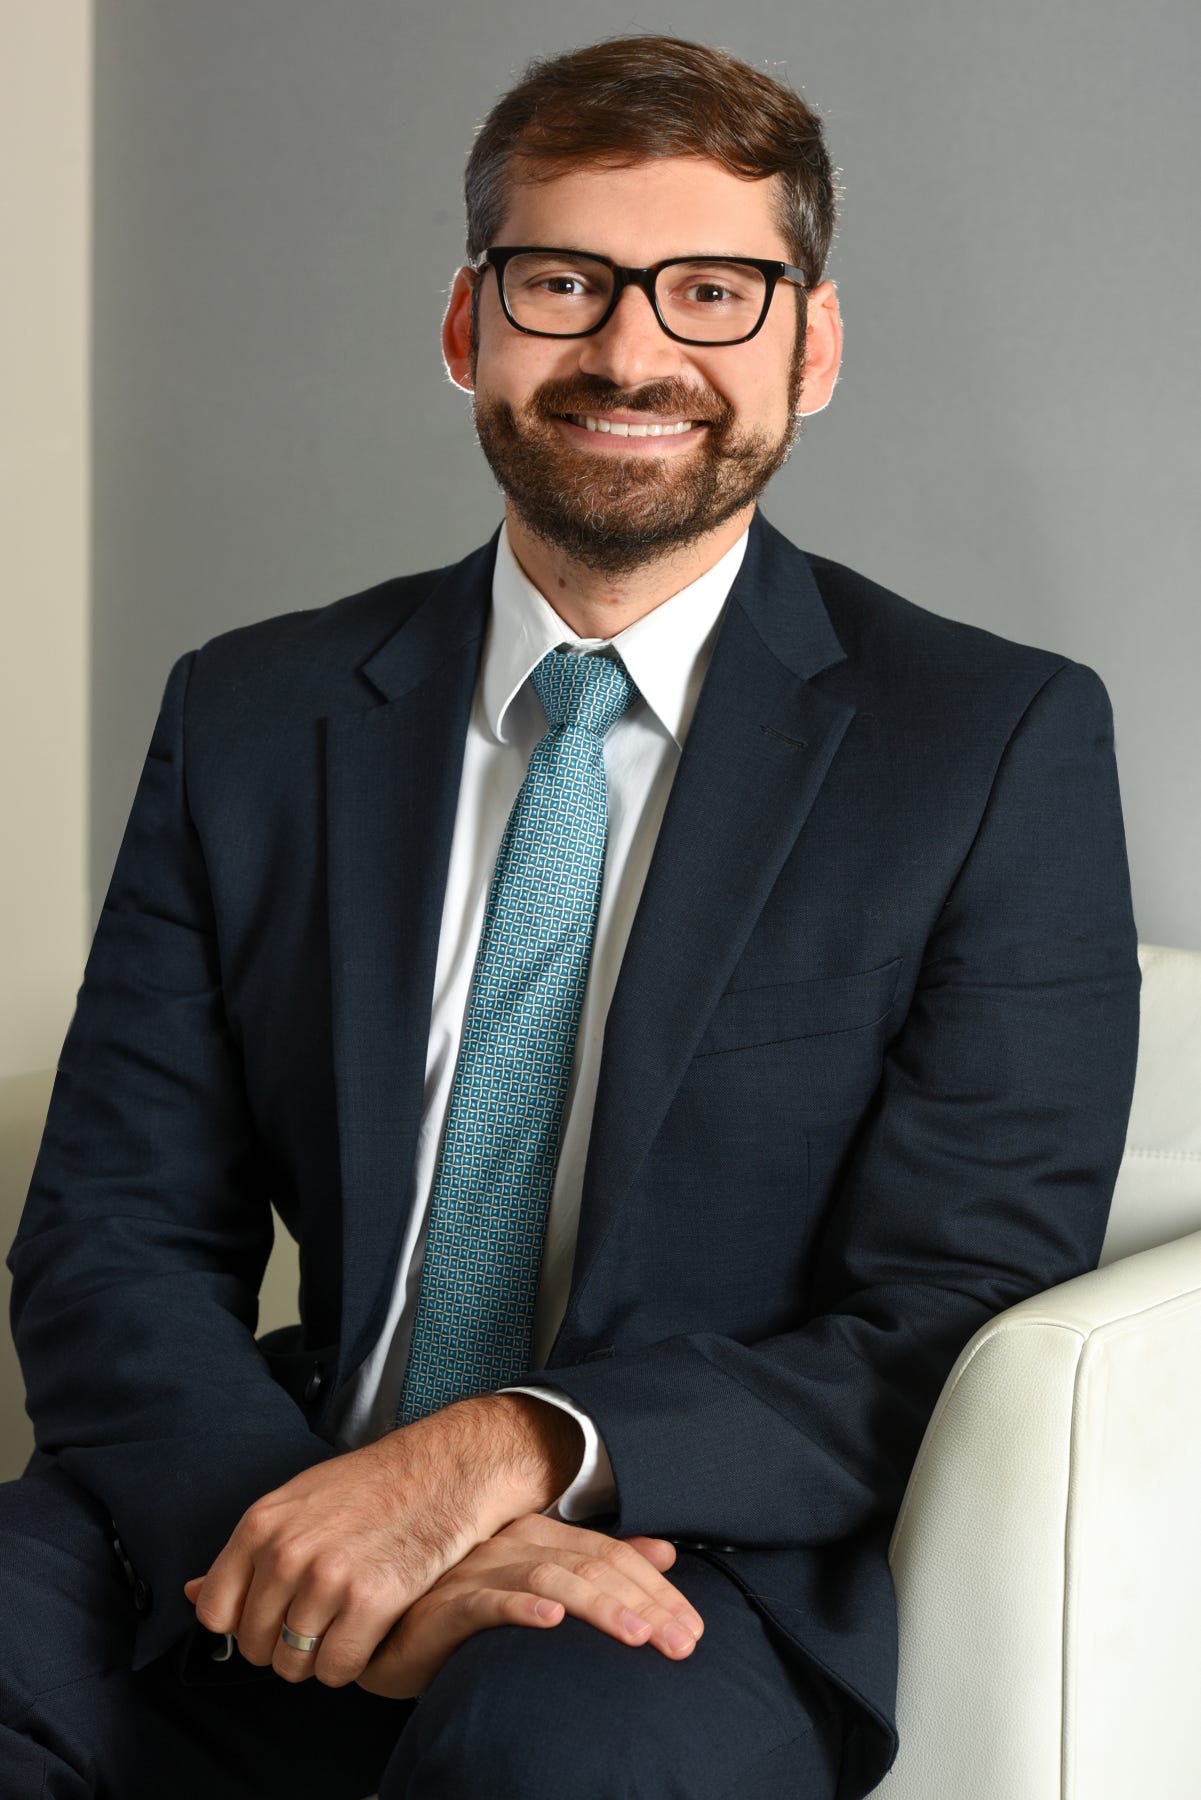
554,398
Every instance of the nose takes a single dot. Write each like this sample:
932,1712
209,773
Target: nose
632,347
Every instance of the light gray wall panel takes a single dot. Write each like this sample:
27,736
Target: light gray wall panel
1013,440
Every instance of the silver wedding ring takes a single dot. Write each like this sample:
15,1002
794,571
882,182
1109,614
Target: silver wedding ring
297,1640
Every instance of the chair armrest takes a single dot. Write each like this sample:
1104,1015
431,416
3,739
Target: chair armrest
1046,1557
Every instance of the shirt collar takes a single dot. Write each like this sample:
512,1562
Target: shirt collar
665,653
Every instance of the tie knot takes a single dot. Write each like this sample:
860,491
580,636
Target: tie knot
590,691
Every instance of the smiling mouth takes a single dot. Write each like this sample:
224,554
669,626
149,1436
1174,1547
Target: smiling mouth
620,428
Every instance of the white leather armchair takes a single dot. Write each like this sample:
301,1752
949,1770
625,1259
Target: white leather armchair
1047,1557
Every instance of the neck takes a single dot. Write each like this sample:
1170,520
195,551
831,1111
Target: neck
599,606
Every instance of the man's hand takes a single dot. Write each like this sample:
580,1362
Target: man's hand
342,1551
531,1573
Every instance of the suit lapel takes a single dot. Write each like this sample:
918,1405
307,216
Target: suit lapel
392,787
757,752
758,749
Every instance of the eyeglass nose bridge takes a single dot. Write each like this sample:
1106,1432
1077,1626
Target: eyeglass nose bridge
638,278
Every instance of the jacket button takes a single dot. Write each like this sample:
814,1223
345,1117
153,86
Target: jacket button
142,1596
314,1385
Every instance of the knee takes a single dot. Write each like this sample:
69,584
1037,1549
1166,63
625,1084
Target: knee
513,1716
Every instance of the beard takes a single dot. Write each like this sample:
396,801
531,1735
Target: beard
613,514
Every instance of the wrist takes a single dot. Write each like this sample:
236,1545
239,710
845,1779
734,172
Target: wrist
535,1450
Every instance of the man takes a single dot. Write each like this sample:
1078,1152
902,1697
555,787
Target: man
674,989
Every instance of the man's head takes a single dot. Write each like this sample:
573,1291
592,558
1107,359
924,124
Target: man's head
640,150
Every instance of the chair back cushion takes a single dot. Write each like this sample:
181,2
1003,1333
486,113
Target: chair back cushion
1158,1194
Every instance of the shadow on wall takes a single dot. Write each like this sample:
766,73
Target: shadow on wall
23,1103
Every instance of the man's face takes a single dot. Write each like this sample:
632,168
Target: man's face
614,503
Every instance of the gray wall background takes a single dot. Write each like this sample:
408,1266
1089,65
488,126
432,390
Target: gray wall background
1013,440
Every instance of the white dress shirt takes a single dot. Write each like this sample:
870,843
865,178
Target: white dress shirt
666,654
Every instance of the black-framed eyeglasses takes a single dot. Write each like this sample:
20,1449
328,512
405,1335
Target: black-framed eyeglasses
548,292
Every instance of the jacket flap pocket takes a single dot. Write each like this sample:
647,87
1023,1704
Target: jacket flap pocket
796,1009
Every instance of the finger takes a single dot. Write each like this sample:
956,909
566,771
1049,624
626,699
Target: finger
274,1599
659,1551
595,1590
193,1587
348,1611
664,1607
220,1597
369,1610
294,1662
613,1565
417,1646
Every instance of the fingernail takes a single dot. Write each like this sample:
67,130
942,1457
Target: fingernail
547,1609
632,1623
690,1619
676,1638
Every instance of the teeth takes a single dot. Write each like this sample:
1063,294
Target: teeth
619,430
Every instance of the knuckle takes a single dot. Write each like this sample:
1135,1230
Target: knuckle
285,1559
363,1594
482,1603
332,1568
592,1568
289,1671
253,1526
601,1549
541,1575
340,1670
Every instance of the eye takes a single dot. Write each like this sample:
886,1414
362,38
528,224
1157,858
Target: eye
708,293
566,285
706,286
553,280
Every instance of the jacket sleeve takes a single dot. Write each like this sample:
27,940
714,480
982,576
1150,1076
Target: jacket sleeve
138,1260
981,1173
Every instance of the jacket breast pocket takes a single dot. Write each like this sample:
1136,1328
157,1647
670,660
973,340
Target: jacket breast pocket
787,1010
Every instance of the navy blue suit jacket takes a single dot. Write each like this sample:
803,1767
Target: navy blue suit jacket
865,1078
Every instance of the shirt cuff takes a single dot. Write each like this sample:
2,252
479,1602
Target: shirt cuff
593,1490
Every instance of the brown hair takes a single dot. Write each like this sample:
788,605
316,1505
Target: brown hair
629,98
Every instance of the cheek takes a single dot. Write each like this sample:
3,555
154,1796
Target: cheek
758,387
513,367
764,405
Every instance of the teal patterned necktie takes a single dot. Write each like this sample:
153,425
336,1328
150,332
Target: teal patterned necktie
496,1168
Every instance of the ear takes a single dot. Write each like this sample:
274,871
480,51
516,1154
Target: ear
456,330
823,348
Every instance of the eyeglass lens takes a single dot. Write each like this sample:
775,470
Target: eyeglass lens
716,302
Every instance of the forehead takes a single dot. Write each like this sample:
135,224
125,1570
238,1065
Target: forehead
641,213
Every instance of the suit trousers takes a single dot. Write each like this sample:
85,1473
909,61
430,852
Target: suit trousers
514,1714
